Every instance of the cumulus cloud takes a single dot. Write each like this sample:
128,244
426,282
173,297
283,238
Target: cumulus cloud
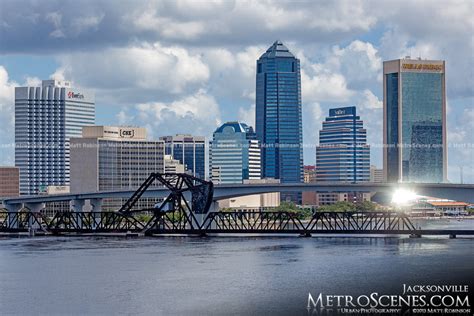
197,114
7,119
149,68
247,115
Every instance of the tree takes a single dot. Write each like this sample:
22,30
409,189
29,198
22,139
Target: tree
342,206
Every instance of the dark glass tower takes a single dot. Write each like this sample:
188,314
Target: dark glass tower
415,121
278,115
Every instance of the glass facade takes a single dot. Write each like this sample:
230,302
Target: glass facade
278,115
234,154
414,121
343,154
189,151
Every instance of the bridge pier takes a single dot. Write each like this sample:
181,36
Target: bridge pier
77,206
34,208
96,205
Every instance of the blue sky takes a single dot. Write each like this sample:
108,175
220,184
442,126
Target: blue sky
187,66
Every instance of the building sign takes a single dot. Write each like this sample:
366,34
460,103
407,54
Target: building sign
428,67
342,111
72,95
127,133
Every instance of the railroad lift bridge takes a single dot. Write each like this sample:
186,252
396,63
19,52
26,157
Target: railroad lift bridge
189,208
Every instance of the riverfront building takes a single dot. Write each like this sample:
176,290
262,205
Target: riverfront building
110,158
9,181
278,115
376,175
343,154
188,150
46,118
414,117
234,154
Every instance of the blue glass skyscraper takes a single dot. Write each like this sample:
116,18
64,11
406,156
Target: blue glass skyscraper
343,154
414,121
278,114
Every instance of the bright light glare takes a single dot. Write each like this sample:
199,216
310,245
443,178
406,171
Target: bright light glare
403,196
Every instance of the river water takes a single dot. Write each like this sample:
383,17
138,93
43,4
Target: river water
218,275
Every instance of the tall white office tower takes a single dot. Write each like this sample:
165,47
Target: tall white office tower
46,118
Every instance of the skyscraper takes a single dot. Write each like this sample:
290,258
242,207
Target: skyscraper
234,154
278,114
189,150
414,112
46,118
343,154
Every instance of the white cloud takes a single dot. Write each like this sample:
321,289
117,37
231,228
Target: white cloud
324,87
83,23
198,114
247,115
162,69
370,101
7,119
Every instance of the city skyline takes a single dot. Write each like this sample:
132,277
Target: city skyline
341,65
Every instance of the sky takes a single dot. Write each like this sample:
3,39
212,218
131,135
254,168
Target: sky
187,66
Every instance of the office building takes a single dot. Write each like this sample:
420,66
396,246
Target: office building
108,158
188,150
309,197
376,175
414,121
9,181
343,154
173,165
234,154
46,118
278,116
309,174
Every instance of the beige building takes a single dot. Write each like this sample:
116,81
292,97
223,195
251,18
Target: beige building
376,175
173,165
109,158
9,181
256,201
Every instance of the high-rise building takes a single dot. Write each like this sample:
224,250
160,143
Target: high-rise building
110,158
46,118
188,150
9,181
278,115
414,117
234,154
343,154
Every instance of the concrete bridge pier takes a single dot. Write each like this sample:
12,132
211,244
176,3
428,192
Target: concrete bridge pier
77,206
13,208
34,208
96,205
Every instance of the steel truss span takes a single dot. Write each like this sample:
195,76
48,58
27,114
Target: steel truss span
181,222
186,211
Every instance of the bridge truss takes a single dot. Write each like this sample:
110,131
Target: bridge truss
254,222
186,211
